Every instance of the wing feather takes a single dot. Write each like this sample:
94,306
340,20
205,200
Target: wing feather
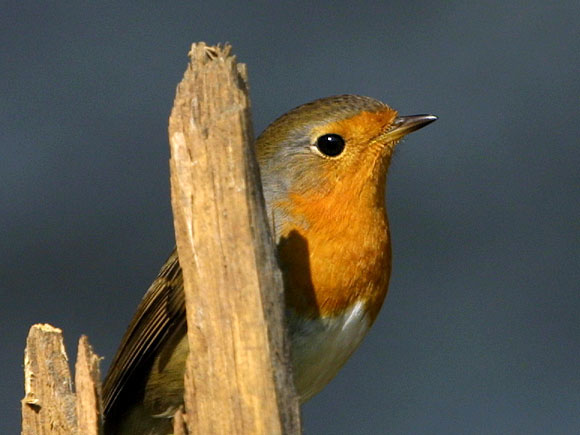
160,313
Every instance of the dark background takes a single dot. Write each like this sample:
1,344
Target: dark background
481,330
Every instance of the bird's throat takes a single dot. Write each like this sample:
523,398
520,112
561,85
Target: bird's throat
335,252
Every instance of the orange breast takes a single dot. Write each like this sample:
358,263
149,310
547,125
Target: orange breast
335,250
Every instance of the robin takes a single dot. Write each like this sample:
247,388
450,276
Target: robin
323,167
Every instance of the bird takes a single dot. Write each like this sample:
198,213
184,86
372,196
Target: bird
323,167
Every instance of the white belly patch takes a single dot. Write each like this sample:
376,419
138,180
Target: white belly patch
320,347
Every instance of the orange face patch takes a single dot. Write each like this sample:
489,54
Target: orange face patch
360,129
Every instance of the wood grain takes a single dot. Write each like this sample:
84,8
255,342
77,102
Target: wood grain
88,389
48,406
238,378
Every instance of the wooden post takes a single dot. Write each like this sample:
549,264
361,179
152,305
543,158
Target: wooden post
238,378
88,389
49,406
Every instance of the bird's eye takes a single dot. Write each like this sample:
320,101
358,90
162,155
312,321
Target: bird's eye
330,145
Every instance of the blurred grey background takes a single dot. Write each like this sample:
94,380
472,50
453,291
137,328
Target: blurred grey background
480,332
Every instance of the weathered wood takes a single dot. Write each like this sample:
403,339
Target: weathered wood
88,389
238,379
48,406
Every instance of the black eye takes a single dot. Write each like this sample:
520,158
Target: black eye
330,144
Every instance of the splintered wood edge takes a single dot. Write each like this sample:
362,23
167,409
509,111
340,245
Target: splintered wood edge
201,53
88,388
202,96
49,402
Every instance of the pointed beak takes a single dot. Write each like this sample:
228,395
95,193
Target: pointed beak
403,125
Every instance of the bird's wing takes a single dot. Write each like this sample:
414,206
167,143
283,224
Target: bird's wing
161,311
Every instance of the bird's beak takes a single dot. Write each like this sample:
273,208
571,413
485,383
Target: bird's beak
403,125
